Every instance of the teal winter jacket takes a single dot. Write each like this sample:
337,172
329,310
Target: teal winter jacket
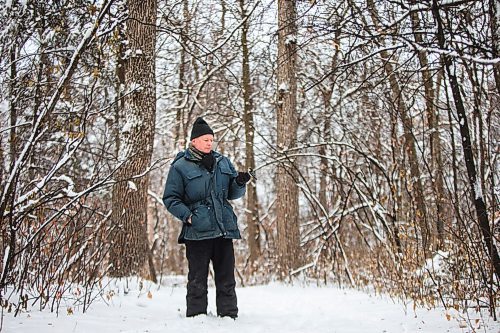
192,190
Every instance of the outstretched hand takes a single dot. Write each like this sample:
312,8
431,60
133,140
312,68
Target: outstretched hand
242,178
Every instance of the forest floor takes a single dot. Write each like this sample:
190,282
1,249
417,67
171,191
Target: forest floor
273,308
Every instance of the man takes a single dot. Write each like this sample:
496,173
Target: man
199,184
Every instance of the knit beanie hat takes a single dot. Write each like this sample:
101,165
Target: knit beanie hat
200,127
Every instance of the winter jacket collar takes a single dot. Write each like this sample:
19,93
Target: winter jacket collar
188,156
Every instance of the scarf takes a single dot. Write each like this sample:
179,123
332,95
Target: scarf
207,160
195,153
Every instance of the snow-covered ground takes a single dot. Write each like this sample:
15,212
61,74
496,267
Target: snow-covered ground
268,308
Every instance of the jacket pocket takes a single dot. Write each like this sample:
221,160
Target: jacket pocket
202,219
226,175
229,217
193,174
194,186
226,170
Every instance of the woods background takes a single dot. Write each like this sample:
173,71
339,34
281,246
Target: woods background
373,127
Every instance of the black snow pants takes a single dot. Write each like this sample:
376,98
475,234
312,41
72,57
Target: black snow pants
199,253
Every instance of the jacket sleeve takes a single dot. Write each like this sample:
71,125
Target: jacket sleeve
173,195
235,191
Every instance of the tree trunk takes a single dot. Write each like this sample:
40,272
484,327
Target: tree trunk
480,151
2,165
129,253
8,230
494,9
120,83
426,231
175,258
324,169
475,187
180,128
252,211
13,106
286,178
3,226
327,92
435,142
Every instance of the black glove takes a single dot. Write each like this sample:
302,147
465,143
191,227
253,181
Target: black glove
208,161
242,178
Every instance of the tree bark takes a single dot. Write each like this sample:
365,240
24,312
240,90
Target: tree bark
494,9
129,253
8,231
475,187
286,178
175,258
3,226
252,211
435,142
180,128
327,93
13,106
120,83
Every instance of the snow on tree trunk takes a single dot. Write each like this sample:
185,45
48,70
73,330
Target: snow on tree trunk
129,253
286,178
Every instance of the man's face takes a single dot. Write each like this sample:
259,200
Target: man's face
203,143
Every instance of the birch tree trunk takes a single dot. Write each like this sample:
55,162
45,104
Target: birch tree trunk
286,178
252,212
129,253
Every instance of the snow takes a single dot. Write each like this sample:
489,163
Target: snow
127,54
478,189
435,265
132,186
283,87
290,39
268,308
131,122
71,185
4,262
